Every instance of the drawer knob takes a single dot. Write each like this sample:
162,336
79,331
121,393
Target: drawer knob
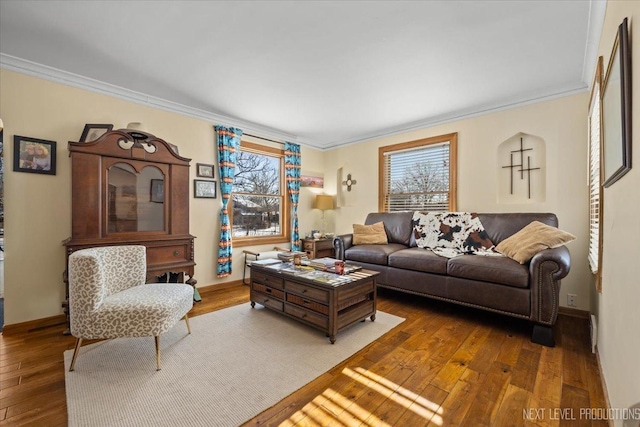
304,291
176,253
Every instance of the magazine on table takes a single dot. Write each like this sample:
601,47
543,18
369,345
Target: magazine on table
289,267
323,263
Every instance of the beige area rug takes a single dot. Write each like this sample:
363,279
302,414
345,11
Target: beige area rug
236,363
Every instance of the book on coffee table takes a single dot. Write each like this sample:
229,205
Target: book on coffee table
289,255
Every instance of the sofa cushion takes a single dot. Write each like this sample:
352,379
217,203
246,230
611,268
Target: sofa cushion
372,254
499,226
418,259
532,239
397,225
501,270
373,234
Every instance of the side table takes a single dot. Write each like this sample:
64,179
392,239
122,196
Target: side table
318,248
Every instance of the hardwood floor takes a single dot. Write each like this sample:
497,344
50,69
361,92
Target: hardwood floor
445,365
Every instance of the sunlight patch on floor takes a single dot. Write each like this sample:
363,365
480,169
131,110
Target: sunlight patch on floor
333,409
404,397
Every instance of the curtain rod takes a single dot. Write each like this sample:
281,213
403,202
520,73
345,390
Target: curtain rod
266,139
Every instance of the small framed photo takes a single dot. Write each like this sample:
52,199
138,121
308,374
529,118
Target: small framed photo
93,132
34,155
204,189
157,190
205,171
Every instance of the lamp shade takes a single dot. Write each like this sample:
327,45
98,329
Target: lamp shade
323,202
136,126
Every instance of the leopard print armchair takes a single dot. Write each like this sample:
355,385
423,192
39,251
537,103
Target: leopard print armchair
108,297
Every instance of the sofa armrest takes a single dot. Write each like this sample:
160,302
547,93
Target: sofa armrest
341,244
546,270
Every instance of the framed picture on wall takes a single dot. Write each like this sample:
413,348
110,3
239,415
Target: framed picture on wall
34,155
93,132
312,179
616,110
205,171
204,189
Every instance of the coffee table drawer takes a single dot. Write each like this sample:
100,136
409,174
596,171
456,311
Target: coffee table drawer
265,279
307,316
308,304
355,291
267,290
268,301
307,291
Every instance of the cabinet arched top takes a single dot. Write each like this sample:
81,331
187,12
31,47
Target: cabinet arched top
130,144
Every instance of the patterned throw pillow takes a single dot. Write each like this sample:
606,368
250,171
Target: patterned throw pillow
532,239
369,234
461,231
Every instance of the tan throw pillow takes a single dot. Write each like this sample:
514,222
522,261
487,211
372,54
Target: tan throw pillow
373,234
532,239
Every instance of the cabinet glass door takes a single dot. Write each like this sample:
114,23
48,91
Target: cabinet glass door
135,200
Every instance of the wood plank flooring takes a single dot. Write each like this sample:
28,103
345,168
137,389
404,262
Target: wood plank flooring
445,365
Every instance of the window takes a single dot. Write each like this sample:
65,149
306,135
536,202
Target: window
419,175
259,205
595,176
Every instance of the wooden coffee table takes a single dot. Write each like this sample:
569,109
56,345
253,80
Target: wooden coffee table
325,301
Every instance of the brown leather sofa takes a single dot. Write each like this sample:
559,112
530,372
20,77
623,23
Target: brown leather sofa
529,291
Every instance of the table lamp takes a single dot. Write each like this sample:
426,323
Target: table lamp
323,202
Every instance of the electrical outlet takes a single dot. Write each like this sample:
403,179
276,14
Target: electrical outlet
571,300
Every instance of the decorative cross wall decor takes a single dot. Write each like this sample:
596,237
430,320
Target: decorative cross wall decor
522,169
349,182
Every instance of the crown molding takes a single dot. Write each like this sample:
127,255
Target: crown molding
45,72
24,66
494,107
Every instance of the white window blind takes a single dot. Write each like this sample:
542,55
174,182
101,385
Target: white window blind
417,179
594,182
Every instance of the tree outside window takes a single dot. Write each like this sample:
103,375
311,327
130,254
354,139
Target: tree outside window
419,175
259,199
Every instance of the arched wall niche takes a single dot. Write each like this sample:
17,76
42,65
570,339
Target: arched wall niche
522,161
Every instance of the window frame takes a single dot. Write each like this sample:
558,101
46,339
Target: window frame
595,99
451,138
285,217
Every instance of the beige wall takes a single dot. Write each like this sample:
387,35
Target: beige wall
560,123
618,306
42,109
38,207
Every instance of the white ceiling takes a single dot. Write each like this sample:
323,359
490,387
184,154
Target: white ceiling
321,73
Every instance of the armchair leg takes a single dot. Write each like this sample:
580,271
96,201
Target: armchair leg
157,337
543,335
186,320
75,354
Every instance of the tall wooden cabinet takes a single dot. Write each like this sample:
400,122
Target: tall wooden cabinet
131,188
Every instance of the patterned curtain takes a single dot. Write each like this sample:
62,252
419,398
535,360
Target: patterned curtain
292,161
228,144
